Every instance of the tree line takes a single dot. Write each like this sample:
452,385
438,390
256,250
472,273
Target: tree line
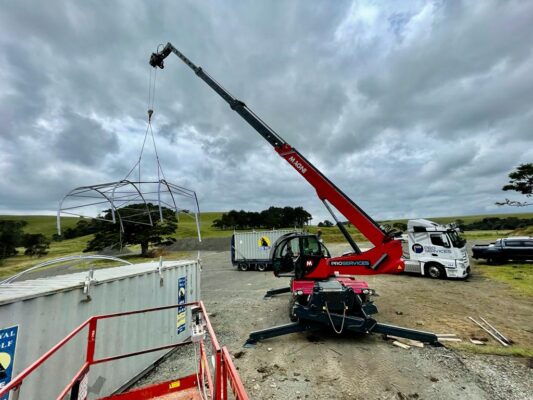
273,217
495,223
12,236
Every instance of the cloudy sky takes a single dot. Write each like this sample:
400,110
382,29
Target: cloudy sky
414,108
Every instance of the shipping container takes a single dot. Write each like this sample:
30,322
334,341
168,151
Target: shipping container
36,314
251,250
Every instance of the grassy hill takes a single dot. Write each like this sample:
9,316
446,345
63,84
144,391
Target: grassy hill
45,224
187,229
468,219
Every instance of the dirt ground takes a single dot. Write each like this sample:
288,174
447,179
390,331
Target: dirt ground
330,366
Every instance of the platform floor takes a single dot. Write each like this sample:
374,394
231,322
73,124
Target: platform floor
189,394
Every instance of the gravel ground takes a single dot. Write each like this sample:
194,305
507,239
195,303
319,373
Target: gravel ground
330,366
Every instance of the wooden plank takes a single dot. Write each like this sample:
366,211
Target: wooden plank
400,344
409,342
478,342
449,339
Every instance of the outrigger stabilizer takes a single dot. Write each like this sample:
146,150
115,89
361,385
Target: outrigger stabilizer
335,305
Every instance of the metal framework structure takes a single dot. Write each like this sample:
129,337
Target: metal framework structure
62,260
94,201
201,385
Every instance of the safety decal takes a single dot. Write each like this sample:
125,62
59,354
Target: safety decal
182,299
264,243
8,344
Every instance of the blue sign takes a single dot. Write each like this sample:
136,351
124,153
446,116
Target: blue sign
182,299
8,344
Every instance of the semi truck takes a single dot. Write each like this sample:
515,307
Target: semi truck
251,250
435,250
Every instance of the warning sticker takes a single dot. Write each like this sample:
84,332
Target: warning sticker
264,242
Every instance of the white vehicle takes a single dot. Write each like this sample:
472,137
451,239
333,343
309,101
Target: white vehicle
436,250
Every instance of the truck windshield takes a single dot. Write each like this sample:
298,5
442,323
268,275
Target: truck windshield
456,239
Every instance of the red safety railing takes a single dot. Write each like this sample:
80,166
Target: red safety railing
225,370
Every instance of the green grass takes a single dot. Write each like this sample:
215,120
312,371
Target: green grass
518,276
20,262
486,235
515,351
45,224
468,219
187,226
12,265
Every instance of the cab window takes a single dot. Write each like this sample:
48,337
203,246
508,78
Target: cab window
439,240
311,246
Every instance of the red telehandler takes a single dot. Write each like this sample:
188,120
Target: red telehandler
323,288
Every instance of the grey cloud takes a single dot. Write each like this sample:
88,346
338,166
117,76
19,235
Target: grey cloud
414,109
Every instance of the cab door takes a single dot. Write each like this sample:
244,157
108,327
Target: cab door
311,252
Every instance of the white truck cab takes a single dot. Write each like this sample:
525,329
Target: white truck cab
436,250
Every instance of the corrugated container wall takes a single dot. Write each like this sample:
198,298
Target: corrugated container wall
46,310
256,245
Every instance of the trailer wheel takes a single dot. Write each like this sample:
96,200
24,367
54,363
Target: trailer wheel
262,267
435,271
242,267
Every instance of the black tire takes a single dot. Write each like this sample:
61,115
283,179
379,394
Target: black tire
242,267
262,267
292,316
435,271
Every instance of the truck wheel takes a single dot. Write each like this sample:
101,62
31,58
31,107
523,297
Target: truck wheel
262,267
243,267
435,271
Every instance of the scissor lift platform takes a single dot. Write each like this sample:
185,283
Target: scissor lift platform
204,384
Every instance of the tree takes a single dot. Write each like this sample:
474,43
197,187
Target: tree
36,244
10,237
136,229
401,226
522,182
327,223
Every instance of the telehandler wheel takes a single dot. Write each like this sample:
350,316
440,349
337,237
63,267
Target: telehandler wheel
435,271
243,267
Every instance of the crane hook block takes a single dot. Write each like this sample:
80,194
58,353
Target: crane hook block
156,60
150,112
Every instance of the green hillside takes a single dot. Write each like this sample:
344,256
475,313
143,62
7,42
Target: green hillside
45,224
468,219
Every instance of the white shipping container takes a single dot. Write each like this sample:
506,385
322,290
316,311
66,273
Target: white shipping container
46,310
253,248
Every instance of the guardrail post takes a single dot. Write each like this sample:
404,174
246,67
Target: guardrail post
15,393
218,375
224,379
91,341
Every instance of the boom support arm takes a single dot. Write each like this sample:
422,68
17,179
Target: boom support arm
325,189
